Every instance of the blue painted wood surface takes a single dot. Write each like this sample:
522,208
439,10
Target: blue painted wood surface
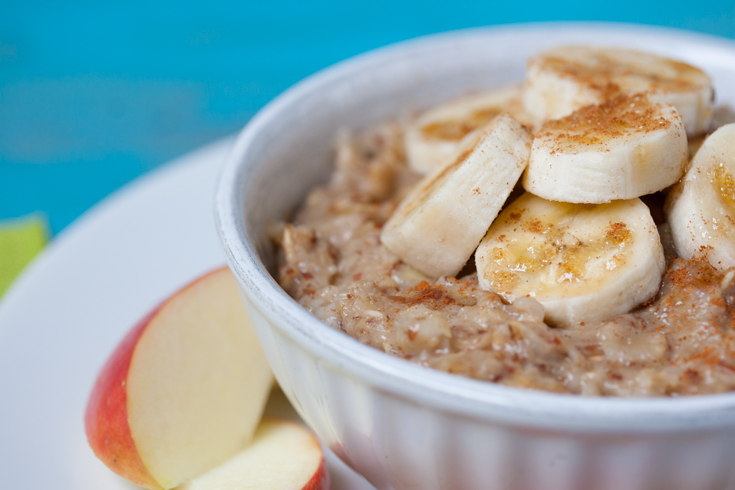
95,94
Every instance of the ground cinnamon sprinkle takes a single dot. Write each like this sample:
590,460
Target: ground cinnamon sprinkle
423,293
707,355
515,217
595,124
596,78
705,274
604,71
618,232
678,276
534,226
720,302
456,130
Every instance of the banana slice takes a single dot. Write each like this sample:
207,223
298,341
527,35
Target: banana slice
433,138
701,208
583,262
624,148
439,224
564,79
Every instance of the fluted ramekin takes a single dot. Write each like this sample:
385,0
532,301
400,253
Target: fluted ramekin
406,427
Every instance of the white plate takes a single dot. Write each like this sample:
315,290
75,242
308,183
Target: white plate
65,314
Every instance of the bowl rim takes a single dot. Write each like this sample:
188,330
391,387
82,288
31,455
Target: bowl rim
431,388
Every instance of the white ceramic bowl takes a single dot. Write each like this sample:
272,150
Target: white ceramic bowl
407,427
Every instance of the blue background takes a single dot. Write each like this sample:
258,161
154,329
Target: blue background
93,95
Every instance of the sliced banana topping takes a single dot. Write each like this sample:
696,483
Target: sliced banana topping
564,79
626,147
701,208
439,224
583,262
433,139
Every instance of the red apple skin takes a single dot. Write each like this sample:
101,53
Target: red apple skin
320,480
106,417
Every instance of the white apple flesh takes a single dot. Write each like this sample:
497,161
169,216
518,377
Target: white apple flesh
183,391
284,455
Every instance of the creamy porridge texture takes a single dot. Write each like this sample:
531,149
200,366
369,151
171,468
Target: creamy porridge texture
676,340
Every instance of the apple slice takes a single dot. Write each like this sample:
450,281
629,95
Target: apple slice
284,455
183,391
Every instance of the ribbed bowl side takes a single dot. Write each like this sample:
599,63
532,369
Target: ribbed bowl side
400,445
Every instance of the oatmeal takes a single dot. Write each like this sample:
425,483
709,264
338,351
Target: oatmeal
332,261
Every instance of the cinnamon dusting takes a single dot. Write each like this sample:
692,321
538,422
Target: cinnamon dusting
596,124
607,71
458,129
